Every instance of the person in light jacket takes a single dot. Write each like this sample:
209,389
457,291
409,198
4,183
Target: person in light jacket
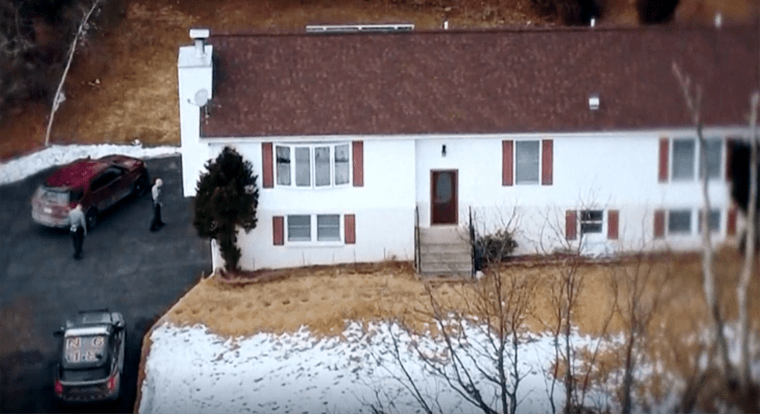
157,223
78,229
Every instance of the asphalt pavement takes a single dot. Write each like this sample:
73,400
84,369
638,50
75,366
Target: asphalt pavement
125,268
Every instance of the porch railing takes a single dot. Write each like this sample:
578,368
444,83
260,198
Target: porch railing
473,246
417,255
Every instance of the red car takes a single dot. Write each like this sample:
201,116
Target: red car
96,184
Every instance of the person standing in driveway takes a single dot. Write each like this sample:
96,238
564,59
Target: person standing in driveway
157,223
78,229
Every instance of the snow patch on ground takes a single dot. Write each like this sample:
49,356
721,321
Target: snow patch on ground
190,370
27,165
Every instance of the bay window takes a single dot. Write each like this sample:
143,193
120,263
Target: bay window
314,166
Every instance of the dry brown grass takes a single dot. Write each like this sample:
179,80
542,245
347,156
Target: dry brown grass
324,298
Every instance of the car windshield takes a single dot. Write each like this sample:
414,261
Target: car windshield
86,374
85,351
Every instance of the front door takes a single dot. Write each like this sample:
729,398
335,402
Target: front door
443,189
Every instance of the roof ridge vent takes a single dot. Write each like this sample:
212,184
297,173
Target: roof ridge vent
593,101
353,28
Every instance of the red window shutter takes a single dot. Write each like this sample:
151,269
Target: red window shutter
659,224
507,159
358,160
729,157
266,164
349,227
571,223
731,224
613,216
278,230
664,155
547,160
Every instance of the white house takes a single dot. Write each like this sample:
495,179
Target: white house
566,135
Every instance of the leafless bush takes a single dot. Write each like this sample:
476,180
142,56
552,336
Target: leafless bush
570,12
496,247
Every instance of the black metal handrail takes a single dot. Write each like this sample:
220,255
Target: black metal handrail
417,258
472,244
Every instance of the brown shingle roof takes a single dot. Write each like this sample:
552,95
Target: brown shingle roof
477,81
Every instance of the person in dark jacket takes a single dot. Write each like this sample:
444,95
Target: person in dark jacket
157,223
78,229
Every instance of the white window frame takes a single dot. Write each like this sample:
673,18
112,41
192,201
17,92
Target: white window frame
314,230
697,165
313,165
540,161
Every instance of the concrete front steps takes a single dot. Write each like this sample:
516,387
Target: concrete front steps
445,252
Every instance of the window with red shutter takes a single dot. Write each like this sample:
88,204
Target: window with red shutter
278,230
613,216
358,163
507,157
350,229
659,224
664,155
266,164
571,224
547,161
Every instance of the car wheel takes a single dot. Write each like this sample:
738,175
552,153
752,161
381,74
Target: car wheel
91,218
140,187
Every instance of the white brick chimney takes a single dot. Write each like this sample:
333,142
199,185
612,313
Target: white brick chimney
195,75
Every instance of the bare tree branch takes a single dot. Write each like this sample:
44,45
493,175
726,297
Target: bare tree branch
693,102
749,252
72,49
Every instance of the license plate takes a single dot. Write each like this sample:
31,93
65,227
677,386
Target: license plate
85,390
47,210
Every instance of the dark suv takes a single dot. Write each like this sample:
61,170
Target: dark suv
91,357
96,184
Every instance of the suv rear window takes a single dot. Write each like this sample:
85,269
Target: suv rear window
54,195
60,196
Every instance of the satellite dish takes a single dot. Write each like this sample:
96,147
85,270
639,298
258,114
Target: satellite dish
201,97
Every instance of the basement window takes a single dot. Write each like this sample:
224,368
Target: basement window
591,221
300,228
679,222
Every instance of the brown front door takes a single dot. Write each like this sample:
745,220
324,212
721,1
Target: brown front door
443,189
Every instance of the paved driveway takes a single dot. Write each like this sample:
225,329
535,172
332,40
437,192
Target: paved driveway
125,268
